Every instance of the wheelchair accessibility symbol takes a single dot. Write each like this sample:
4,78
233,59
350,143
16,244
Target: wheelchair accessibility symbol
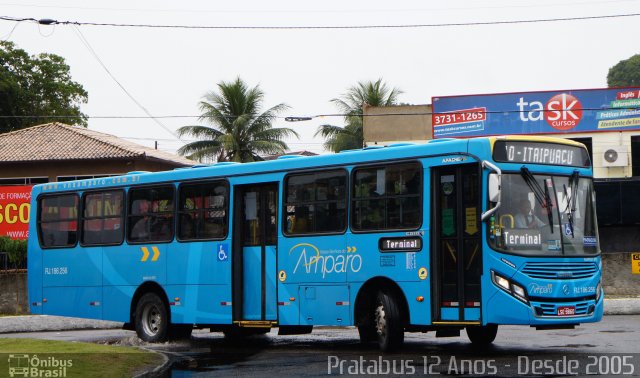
568,230
223,252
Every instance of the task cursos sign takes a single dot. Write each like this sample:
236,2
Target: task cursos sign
553,112
14,211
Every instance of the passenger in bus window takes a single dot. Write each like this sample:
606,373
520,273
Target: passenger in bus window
187,230
525,218
300,220
142,228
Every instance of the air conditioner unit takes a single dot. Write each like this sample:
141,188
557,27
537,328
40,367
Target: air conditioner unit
615,156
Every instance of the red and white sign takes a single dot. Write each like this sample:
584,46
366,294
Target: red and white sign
14,211
628,95
461,116
566,311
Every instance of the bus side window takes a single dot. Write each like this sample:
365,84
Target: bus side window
387,197
58,220
102,218
315,202
203,211
150,214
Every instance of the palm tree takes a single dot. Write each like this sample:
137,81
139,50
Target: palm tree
238,131
350,104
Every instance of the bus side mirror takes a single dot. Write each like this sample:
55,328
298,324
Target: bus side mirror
494,188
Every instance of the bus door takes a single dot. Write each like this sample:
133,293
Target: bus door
457,250
254,252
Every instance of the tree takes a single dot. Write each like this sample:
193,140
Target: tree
350,104
238,131
37,89
626,73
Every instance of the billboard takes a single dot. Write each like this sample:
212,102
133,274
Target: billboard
14,211
549,112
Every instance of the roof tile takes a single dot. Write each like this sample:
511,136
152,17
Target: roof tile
57,141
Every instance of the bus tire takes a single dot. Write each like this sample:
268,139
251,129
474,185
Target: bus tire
482,335
367,333
152,319
388,323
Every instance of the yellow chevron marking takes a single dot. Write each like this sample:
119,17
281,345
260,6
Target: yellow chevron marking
145,254
156,253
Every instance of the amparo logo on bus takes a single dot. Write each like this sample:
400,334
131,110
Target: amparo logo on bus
313,261
562,111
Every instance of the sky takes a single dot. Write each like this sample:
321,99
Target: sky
169,70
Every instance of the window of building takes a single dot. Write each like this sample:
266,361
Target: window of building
588,143
103,218
316,202
58,220
203,211
387,197
23,180
635,155
150,214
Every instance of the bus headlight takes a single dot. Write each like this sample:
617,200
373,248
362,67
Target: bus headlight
598,291
510,287
518,291
501,281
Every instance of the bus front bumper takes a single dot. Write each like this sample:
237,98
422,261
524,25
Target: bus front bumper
503,308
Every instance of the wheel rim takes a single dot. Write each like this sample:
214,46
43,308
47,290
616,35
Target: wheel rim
151,319
381,321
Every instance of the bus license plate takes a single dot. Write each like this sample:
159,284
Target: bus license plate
566,311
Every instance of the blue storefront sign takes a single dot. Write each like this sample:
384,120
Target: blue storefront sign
550,112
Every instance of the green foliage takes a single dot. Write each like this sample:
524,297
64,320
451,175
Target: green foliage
38,85
16,249
351,136
87,359
238,131
626,73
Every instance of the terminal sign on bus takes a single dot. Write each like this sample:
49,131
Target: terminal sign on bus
540,153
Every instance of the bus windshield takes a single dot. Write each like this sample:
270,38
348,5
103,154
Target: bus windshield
545,215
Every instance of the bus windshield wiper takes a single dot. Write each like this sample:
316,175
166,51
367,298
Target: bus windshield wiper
542,195
571,201
538,192
547,199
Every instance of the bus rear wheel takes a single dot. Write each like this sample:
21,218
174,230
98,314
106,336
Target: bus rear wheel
388,323
482,335
151,319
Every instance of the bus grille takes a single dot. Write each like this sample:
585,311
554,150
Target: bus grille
551,309
560,271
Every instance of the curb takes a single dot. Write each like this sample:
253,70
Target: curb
622,306
44,323
158,370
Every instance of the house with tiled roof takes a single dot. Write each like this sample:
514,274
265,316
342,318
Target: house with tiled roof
59,152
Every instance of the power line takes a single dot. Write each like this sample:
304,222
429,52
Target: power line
194,140
315,11
318,27
6,38
86,43
328,115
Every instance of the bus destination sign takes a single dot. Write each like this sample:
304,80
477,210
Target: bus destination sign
540,153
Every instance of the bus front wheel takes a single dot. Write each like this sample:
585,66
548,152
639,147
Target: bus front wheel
482,335
151,318
388,323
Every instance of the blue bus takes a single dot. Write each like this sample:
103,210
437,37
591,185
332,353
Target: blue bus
444,236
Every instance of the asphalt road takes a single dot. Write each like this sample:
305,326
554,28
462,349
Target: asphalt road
606,348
